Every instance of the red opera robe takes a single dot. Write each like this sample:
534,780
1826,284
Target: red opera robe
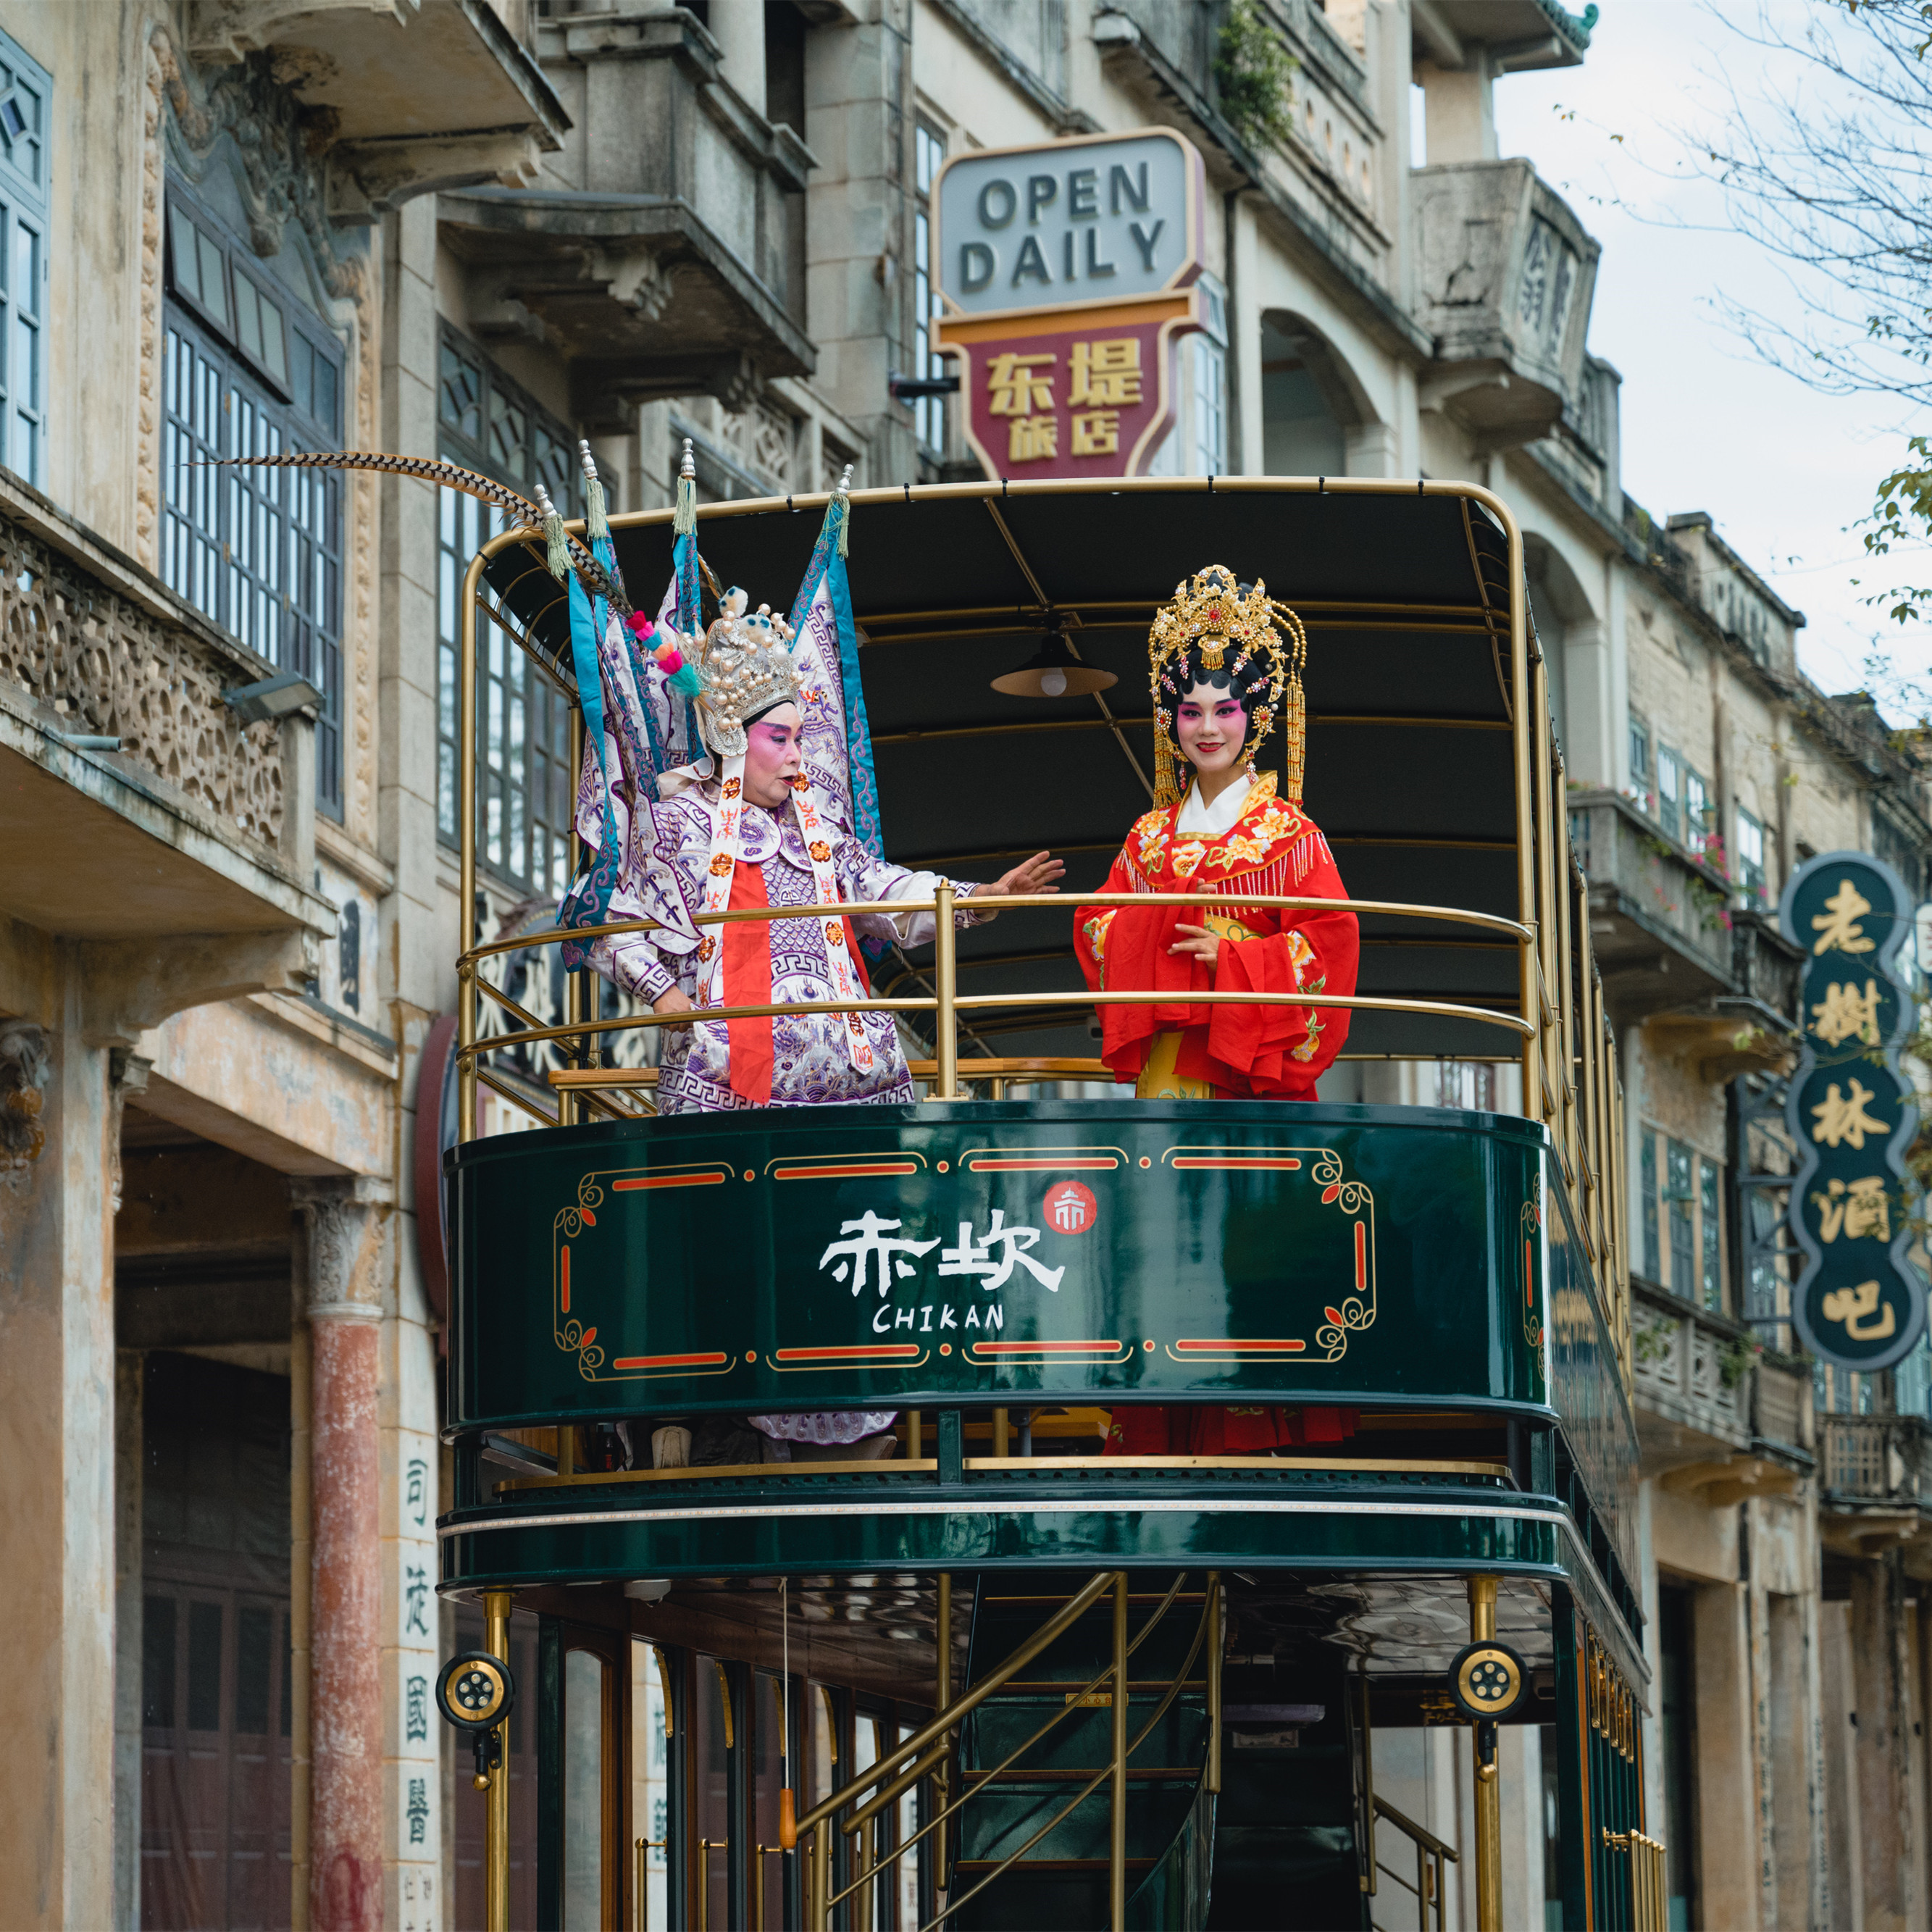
1179,1049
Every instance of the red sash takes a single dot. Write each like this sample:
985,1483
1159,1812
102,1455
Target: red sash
747,982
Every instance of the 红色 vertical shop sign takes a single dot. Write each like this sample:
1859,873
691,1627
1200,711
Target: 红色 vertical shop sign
1857,1302
1068,270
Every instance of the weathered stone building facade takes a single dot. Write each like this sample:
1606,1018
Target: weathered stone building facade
482,228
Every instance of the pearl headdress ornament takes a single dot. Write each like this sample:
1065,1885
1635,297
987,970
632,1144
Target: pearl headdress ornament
746,663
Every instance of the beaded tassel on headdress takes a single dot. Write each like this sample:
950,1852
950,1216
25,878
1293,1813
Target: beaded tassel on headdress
596,512
684,521
556,558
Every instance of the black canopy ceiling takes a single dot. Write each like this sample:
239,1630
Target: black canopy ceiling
1410,768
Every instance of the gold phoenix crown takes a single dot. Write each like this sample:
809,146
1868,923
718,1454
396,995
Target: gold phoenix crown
1233,627
747,667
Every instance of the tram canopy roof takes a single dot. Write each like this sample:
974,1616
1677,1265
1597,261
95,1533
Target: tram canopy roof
1405,591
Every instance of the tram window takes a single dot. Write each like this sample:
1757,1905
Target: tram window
650,1776
713,1733
825,1767
768,1777
906,1886
583,1791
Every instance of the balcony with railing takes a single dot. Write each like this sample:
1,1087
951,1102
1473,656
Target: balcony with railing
131,733
665,265
1875,1482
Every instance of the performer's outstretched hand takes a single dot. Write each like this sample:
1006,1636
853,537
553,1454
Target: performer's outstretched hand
1035,875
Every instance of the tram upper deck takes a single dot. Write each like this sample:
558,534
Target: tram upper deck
1455,1278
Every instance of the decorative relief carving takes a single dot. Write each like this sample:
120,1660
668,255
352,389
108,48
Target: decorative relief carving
763,438
105,666
25,1066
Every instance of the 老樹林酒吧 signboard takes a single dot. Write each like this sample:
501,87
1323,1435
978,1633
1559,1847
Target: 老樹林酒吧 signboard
1067,271
1858,1302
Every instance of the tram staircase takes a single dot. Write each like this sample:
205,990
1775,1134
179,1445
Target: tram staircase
1260,1836
1062,1878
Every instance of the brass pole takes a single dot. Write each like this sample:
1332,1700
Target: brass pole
942,1775
466,826
704,1885
1217,1620
945,1026
1117,1849
643,1881
1489,1797
497,1806
758,1851
1525,724
1000,1432
1369,1787
818,1880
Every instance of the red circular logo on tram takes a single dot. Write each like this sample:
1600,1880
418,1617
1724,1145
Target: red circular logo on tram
1071,1208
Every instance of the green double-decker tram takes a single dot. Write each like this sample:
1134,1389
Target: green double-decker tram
994,1676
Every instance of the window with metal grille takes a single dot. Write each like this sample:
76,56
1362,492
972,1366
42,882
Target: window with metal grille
524,786
244,373
1750,874
1653,1262
24,89
1711,1233
1680,1166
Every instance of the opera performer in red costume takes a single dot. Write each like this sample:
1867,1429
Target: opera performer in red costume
1225,662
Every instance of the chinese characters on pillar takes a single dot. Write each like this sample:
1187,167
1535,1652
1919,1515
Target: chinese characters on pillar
1858,1302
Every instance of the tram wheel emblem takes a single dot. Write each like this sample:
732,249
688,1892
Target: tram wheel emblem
1487,1680
1071,1208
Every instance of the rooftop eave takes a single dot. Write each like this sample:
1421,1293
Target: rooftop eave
1520,35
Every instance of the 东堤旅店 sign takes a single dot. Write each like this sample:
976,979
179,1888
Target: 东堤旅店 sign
1067,270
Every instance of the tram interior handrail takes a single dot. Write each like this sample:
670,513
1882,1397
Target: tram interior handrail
928,1753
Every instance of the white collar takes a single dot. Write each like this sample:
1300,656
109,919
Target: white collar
1201,820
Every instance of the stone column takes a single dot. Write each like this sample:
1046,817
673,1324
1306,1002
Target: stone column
347,1231
738,26
57,1533
1883,1702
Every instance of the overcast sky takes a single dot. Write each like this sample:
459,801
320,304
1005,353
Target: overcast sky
1783,472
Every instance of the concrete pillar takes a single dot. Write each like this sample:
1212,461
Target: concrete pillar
346,1232
1844,1810
1795,1801
1458,106
738,26
1246,434
57,1533
1727,1780
858,83
1880,1684
129,1374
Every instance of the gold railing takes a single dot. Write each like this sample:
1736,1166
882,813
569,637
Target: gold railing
1650,1880
1430,1853
929,1753
1567,1053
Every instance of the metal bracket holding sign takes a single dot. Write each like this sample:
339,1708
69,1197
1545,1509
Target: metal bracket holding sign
1069,270
1858,1302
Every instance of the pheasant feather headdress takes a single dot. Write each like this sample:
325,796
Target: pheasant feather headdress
564,552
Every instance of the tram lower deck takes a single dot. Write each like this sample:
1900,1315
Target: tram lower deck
1034,1504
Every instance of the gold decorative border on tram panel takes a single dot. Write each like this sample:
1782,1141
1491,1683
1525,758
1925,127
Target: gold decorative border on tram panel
859,1166
1356,1199
1532,1315
568,1330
